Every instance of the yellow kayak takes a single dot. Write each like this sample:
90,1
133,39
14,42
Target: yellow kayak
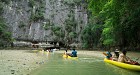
123,65
67,56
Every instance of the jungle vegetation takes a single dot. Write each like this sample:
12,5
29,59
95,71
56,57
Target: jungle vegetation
113,23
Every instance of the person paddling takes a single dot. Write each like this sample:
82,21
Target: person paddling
108,55
115,55
66,53
74,53
123,58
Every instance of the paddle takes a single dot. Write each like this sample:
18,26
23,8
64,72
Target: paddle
105,54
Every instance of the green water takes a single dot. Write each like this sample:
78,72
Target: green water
84,65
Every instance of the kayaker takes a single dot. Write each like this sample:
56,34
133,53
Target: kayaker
115,55
68,54
65,52
108,55
74,53
123,58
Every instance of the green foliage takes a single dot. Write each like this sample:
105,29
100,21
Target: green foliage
57,31
47,24
38,14
31,3
59,34
96,5
46,27
86,36
73,34
107,34
70,23
56,28
108,42
21,24
85,45
5,36
91,35
121,21
1,7
70,28
5,1
72,1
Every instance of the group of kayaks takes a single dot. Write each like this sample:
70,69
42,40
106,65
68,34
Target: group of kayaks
123,65
116,63
119,64
64,55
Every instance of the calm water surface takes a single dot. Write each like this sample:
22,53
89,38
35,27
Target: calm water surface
84,65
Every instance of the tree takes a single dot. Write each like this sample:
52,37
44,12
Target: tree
91,35
121,25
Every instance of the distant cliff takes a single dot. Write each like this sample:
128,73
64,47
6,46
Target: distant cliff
46,20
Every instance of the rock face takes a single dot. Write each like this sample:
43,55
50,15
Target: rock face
18,18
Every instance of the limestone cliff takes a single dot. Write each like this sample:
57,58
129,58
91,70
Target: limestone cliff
46,20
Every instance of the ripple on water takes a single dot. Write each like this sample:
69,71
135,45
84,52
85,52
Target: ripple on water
90,60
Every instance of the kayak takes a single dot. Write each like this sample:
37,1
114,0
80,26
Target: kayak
67,56
123,65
